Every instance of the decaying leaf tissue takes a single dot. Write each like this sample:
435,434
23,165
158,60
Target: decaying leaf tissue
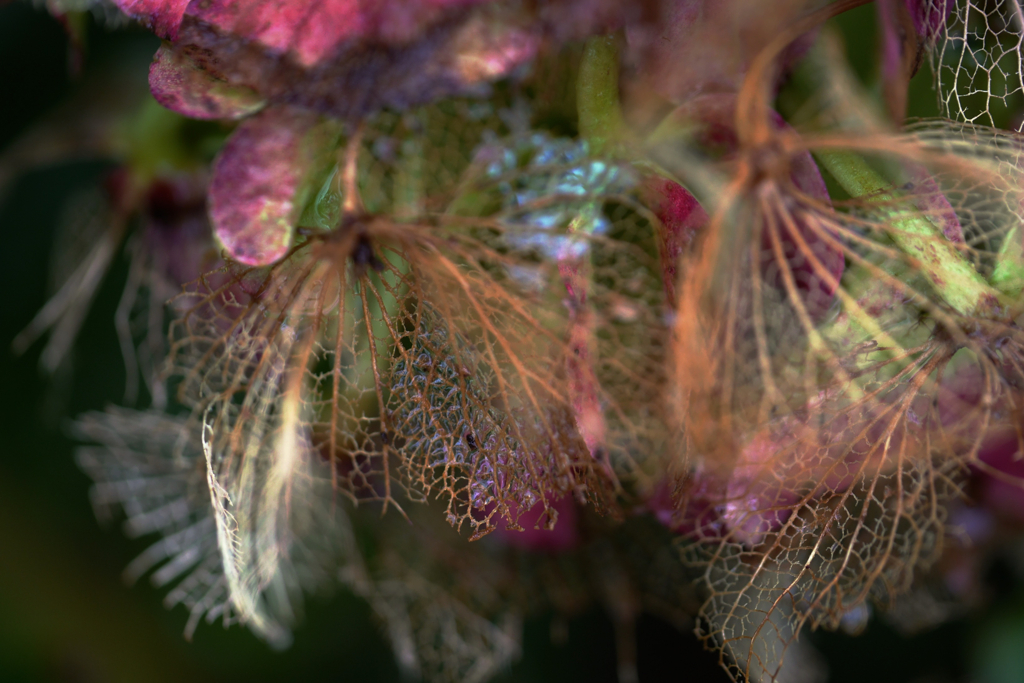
488,311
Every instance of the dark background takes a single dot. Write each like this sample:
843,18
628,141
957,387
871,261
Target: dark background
66,615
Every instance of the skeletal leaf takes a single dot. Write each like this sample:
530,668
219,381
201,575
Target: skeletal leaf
838,461
434,346
150,465
237,545
435,635
976,57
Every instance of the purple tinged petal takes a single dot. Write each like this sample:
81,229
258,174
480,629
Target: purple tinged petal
162,16
257,180
891,46
350,58
998,471
899,54
184,87
929,16
682,217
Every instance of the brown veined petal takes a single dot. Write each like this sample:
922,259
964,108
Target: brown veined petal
258,182
415,360
437,349
184,87
714,115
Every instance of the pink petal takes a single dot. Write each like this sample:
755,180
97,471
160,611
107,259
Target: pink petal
758,497
682,217
256,178
162,16
349,58
929,16
312,31
182,86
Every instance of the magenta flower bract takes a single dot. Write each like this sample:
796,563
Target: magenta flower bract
929,16
182,86
682,217
256,184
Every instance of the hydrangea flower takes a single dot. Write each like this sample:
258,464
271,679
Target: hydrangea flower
785,330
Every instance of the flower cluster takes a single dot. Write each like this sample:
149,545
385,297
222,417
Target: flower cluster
657,290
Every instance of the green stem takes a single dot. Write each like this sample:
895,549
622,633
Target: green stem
823,79
950,274
1008,276
597,93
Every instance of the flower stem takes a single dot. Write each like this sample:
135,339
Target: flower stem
600,125
597,94
950,274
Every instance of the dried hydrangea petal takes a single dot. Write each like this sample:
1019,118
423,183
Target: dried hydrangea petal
257,180
182,86
311,31
163,16
349,59
929,16
681,216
